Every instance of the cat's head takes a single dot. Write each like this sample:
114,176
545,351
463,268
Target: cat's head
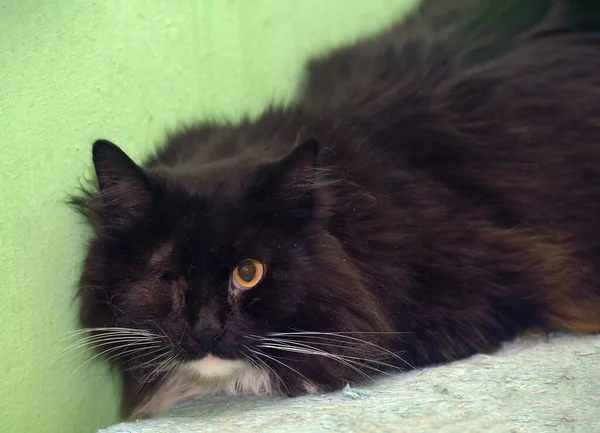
224,276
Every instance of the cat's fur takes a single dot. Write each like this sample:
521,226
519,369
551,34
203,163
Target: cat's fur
434,192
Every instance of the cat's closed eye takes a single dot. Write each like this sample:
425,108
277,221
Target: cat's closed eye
168,276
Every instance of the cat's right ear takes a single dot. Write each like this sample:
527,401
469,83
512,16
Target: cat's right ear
125,191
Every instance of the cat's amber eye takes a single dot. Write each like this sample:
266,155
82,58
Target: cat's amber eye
247,274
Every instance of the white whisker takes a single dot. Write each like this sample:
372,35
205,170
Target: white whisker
257,359
312,351
258,352
92,342
115,330
113,349
360,361
142,351
315,334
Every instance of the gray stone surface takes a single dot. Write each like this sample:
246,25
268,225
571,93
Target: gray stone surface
531,385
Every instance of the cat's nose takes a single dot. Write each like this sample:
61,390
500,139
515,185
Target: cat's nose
208,340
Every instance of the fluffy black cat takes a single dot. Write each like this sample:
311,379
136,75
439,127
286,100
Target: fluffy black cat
433,192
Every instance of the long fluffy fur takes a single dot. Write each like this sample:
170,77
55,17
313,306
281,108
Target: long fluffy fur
433,193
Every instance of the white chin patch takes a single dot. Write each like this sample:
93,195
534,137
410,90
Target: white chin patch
214,367
207,376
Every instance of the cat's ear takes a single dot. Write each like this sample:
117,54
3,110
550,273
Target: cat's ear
292,179
124,188
287,189
298,169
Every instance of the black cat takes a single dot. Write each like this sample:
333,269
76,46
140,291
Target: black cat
433,192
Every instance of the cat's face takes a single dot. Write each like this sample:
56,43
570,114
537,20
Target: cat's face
213,279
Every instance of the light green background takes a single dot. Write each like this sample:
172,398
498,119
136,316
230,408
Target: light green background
128,70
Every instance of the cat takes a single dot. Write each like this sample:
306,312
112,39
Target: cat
433,192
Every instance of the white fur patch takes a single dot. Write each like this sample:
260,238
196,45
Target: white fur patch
212,366
310,387
207,376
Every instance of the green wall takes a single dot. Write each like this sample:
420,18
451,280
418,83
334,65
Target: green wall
72,71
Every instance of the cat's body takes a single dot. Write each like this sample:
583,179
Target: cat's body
452,202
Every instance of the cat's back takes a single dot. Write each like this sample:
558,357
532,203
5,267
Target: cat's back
477,100
496,114
443,41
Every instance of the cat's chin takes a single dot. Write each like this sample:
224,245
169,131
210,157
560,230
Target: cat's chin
207,376
214,367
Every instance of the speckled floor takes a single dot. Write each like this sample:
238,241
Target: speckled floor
533,385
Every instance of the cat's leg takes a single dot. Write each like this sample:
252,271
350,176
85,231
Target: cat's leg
143,399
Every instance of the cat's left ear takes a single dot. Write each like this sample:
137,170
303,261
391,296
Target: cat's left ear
125,190
294,177
299,168
286,193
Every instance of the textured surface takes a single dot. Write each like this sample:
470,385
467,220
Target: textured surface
531,386
72,71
